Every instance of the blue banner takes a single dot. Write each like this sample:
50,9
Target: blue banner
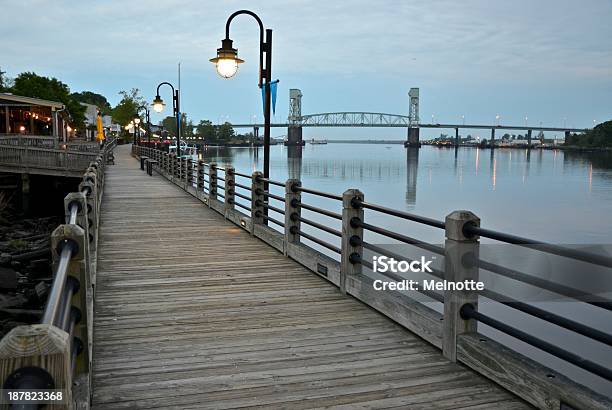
273,87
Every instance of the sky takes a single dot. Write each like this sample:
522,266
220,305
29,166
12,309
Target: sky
547,60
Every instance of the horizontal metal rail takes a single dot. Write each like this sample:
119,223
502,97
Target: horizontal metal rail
239,195
273,208
242,175
317,210
316,240
601,260
550,317
317,225
469,312
404,215
270,195
270,181
248,188
239,205
274,221
319,193
402,238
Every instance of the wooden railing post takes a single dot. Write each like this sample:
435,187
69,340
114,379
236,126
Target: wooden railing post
460,254
293,211
257,200
184,172
190,169
212,182
352,236
200,176
230,189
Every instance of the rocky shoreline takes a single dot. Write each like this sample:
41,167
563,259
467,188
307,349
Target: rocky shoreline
25,268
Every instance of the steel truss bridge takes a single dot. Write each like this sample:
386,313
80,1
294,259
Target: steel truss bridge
375,119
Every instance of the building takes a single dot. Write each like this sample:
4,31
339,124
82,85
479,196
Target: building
21,115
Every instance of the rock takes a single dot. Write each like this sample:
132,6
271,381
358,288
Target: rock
5,259
10,301
42,290
39,268
8,279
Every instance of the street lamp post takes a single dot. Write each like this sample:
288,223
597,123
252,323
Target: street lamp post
227,65
147,123
136,120
158,106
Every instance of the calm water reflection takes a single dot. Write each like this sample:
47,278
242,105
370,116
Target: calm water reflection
550,195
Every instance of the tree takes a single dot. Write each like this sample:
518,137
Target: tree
169,124
186,127
225,132
206,131
98,100
29,84
598,137
124,112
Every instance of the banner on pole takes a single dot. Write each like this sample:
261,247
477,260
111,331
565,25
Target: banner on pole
273,87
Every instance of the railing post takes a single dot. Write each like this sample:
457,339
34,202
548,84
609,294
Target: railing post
200,176
257,200
184,171
230,189
212,182
293,211
460,254
352,236
77,269
190,169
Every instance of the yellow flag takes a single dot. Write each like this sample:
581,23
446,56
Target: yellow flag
100,136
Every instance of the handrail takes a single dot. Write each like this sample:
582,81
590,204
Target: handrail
460,252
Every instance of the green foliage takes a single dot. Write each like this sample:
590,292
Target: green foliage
98,100
598,137
124,112
225,132
3,81
206,131
169,124
186,127
29,84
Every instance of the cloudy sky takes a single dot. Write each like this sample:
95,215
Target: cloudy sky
549,60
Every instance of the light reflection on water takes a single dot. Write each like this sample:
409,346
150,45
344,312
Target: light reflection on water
549,195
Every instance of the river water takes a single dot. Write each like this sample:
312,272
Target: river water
548,195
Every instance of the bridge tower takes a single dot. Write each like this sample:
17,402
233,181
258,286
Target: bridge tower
294,132
413,114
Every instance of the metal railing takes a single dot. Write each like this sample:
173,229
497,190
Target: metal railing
455,330
57,352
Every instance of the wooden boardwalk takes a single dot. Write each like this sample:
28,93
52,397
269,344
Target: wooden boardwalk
192,312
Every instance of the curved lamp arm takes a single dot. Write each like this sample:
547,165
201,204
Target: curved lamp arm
261,37
166,83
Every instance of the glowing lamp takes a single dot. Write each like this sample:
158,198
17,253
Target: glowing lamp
227,59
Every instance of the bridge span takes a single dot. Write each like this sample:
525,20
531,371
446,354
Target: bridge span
296,121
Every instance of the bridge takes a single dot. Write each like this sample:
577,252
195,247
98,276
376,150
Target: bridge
188,284
297,121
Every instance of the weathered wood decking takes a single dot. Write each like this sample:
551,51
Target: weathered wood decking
193,312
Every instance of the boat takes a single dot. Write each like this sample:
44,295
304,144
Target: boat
317,142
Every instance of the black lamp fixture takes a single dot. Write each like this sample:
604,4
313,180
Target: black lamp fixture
227,62
158,106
